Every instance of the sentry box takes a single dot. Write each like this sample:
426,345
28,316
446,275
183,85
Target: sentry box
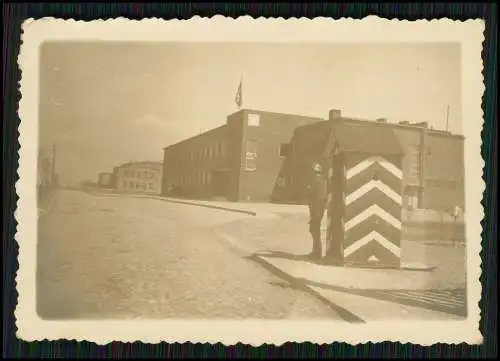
365,195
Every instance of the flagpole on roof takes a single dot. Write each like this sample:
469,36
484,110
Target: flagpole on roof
239,93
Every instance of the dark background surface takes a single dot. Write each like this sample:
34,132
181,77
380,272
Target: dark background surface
15,14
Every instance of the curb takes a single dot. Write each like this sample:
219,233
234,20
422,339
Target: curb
205,205
297,283
294,282
170,200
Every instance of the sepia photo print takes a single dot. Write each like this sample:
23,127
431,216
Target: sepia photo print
256,180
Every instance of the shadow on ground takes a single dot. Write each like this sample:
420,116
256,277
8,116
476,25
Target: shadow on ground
451,301
288,256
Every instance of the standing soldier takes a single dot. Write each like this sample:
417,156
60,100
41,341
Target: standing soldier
317,199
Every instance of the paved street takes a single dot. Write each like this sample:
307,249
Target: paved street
124,257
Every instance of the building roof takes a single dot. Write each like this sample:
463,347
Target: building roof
415,126
222,127
268,112
365,139
353,137
145,163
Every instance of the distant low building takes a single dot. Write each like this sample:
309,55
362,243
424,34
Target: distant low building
138,177
105,180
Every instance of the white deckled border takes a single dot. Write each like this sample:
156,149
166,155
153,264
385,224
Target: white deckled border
220,29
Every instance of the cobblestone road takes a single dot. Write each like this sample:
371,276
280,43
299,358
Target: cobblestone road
109,257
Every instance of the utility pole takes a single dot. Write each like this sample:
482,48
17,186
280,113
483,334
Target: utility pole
53,175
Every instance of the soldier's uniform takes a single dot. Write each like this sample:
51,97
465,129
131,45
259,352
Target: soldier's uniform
317,199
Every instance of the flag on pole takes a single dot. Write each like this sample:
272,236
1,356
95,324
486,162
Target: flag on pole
239,95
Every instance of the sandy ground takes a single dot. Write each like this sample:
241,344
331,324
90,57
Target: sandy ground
109,257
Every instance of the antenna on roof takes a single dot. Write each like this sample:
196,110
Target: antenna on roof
447,115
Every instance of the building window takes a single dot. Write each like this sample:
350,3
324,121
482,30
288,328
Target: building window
222,149
412,202
250,165
441,183
210,151
253,120
250,155
285,150
150,186
209,177
251,148
216,150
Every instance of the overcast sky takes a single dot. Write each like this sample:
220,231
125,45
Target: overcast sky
108,103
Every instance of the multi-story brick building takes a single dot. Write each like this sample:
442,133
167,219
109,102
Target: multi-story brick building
433,165
264,156
138,177
239,160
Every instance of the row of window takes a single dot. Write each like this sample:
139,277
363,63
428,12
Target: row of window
211,151
144,174
137,185
442,183
195,179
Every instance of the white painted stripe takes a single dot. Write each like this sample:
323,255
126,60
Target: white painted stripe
365,188
372,210
430,299
372,236
361,166
436,295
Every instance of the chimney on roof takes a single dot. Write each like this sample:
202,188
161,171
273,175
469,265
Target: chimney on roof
421,125
334,114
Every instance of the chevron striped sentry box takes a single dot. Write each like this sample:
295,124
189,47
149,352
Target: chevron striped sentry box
372,221
370,200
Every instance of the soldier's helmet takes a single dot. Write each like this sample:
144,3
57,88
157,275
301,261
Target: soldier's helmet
317,167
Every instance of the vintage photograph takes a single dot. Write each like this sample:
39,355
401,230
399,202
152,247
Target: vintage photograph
226,180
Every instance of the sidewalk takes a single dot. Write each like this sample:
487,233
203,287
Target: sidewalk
280,242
